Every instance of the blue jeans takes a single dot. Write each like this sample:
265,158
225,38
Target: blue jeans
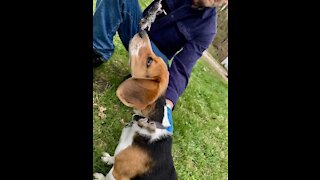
122,16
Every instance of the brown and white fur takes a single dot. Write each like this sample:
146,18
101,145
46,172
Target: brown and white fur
144,149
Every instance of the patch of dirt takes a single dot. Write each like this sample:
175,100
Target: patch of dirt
100,84
220,42
97,104
216,66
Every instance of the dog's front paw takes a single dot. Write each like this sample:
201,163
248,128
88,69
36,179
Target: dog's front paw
107,158
99,176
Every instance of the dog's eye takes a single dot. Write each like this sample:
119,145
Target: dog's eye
149,61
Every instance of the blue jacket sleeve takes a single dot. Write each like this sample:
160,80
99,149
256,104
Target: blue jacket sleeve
182,65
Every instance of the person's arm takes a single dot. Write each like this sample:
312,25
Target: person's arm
182,65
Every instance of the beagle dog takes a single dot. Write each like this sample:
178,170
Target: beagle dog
144,149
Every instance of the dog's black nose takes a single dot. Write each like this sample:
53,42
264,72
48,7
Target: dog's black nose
142,33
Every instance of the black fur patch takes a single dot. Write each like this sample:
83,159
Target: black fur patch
162,162
157,113
136,117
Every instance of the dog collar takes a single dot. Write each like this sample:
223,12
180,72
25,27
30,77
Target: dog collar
159,125
166,120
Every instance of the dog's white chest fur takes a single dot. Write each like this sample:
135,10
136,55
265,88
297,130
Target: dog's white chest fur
128,133
126,139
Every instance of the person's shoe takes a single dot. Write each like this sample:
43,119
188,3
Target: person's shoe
96,59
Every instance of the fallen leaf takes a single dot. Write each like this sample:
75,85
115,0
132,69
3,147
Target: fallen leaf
101,112
122,122
101,115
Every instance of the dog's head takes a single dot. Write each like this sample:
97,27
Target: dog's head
149,73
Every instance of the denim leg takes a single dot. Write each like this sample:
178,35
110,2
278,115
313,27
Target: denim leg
98,2
130,25
117,15
106,21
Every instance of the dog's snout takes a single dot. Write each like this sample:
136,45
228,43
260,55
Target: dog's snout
142,33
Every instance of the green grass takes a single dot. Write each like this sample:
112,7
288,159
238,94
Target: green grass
200,143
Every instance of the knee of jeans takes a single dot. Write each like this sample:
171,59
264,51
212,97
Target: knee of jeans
105,54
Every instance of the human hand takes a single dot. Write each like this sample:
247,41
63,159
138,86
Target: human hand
170,103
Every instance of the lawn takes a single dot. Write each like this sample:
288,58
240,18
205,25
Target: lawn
200,141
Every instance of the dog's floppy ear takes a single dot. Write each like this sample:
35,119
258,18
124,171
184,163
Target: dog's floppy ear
138,93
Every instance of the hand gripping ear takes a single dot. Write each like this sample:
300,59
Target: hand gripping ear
138,93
